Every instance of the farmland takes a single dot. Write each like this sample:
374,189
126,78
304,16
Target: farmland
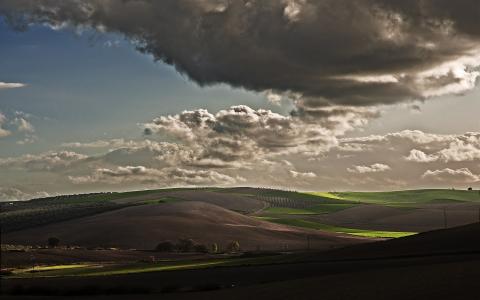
413,198
253,213
39,214
110,269
311,210
25,214
453,268
110,240
398,211
352,231
384,214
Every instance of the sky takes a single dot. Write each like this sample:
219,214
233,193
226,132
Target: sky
310,95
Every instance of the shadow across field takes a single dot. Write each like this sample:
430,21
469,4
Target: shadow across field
396,269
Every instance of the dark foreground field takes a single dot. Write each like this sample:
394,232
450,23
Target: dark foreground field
445,277
394,269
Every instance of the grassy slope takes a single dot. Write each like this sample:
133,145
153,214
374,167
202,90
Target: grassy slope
114,269
401,199
145,267
404,198
314,199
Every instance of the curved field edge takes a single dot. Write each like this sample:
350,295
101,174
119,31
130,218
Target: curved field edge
337,229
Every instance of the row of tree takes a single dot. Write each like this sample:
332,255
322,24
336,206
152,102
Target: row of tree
182,246
286,202
189,245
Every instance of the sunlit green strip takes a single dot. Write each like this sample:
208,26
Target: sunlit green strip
330,228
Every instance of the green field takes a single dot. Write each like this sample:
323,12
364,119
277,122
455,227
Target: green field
411,199
49,269
403,198
330,228
145,267
112,269
299,196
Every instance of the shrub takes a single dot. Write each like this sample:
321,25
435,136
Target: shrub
201,248
165,246
233,246
214,248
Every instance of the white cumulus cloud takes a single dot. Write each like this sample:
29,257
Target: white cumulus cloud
375,168
462,175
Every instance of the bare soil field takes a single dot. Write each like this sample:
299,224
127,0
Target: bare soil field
141,198
143,227
229,201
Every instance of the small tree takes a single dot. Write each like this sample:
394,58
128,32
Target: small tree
165,246
214,248
53,242
185,245
233,247
200,248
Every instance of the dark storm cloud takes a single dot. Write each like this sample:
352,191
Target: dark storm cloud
330,51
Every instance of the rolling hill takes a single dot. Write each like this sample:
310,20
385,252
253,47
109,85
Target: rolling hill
374,214
144,226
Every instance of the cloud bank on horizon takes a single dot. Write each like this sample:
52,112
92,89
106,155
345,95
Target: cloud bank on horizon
220,156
